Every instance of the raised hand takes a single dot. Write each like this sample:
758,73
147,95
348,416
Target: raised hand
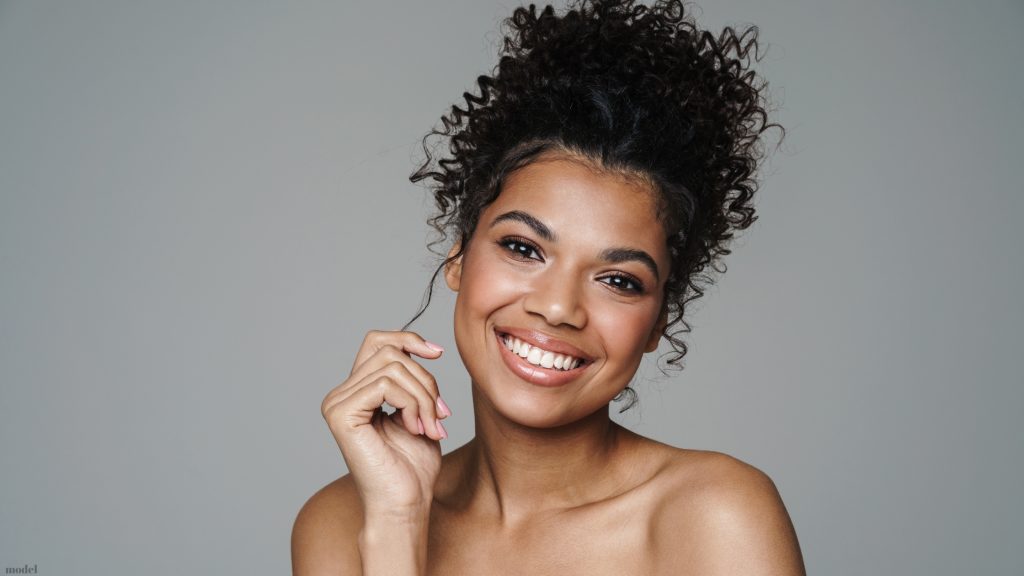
394,459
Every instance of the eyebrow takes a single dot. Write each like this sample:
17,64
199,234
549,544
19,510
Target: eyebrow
536,225
611,255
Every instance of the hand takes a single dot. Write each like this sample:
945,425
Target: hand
394,459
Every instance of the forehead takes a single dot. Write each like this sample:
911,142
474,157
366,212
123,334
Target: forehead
585,205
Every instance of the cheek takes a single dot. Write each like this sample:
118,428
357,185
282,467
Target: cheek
624,331
486,285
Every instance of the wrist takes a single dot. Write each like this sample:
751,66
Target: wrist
385,517
393,546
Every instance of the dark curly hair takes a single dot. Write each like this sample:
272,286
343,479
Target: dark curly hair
634,89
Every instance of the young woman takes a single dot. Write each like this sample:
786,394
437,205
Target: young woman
589,189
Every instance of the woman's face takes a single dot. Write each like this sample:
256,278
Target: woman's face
571,261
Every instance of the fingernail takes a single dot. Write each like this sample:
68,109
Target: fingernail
420,424
433,346
443,407
441,430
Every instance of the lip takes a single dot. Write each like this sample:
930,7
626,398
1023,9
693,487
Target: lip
544,342
535,374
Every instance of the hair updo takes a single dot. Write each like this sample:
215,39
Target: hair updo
637,90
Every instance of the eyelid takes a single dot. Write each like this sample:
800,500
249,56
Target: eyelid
506,240
639,286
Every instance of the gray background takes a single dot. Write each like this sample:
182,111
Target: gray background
204,206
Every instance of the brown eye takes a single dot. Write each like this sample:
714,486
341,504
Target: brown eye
520,249
623,284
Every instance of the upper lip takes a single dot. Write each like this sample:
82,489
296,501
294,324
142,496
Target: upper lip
543,341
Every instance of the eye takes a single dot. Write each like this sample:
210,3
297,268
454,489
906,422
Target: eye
623,284
520,248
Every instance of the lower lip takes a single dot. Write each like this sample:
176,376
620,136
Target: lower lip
536,374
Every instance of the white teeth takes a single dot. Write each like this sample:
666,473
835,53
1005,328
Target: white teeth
540,357
534,356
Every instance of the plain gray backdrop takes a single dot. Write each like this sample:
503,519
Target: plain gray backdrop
204,207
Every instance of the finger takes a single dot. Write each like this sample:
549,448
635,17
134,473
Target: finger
359,408
408,342
382,357
398,373
396,418
385,355
388,354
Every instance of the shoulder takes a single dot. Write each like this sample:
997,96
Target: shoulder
718,515
324,537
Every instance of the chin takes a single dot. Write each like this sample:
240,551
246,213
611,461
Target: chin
538,407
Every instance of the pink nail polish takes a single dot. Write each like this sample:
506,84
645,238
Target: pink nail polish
441,430
433,346
443,407
420,424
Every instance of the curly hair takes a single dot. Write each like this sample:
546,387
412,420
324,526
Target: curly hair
639,90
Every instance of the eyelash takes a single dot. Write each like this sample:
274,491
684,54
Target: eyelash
508,240
506,243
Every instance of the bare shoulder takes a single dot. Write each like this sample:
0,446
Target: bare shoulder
324,537
718,515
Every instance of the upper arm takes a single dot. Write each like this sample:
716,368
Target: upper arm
732,521
324,537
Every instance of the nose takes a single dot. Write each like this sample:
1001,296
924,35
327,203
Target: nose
557,296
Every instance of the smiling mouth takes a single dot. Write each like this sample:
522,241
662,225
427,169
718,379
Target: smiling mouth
539,357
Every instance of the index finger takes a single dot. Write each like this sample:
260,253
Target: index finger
408,342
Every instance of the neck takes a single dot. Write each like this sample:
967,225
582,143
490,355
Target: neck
516,471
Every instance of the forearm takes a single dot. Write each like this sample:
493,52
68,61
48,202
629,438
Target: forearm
394,547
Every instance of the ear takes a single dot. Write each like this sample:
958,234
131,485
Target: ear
453,269
659,327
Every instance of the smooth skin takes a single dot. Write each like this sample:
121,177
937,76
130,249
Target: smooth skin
549,485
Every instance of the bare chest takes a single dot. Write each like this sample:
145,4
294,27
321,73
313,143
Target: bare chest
602,540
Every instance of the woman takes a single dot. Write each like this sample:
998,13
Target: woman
590,188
